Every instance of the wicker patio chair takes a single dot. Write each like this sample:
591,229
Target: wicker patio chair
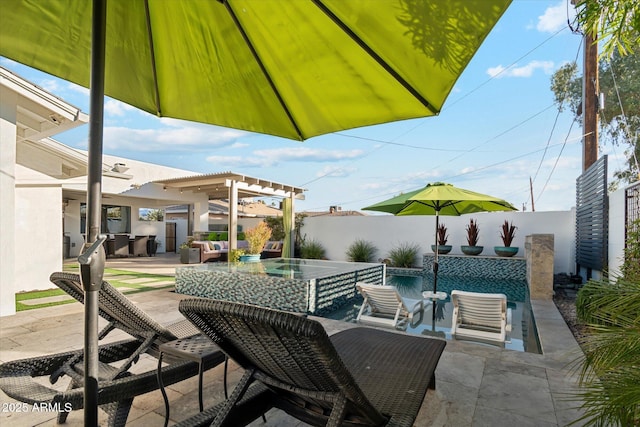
357,377
25,380
121,313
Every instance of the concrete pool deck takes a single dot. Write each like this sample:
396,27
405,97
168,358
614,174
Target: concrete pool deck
476,385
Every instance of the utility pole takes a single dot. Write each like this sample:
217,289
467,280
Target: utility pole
533,207
590,103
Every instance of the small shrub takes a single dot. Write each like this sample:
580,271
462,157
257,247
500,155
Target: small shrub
361,251
404,255
234,255
257,237
312,250
277,227
213,236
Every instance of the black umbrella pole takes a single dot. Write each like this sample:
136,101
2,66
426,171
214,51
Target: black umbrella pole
435,263
435,277
92,266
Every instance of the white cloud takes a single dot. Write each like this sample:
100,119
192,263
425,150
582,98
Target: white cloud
273,157
525,71
168,138
555,17
114,107
335,171
78,89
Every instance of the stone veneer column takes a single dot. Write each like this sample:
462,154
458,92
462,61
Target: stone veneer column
539,253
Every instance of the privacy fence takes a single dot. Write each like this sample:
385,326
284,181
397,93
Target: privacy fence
592,217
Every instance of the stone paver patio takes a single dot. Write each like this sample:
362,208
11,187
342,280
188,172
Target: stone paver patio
476,385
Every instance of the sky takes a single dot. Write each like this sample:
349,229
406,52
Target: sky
499,131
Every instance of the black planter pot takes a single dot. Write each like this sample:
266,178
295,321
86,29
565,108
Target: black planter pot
471,250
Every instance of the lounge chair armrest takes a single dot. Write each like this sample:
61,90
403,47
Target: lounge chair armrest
509,316
18,380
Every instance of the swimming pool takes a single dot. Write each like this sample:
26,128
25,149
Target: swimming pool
523,336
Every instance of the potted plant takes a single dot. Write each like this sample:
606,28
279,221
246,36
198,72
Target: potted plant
507,233
473,232
256,238
442,237
189,255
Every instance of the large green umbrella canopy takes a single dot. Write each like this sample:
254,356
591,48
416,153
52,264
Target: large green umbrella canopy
441,199
437,199
295,69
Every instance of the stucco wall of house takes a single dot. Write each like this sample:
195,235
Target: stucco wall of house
336,233
38,230
8,129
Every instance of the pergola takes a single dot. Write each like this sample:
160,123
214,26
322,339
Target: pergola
233,186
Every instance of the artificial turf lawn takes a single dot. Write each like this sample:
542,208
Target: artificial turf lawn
111,276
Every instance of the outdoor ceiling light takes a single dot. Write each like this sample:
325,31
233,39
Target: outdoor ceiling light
120,168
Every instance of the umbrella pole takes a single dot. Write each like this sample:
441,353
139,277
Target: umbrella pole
433,315
93,259
435,263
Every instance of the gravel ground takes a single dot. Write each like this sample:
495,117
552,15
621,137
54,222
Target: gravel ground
565,299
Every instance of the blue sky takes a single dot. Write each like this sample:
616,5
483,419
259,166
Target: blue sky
498,128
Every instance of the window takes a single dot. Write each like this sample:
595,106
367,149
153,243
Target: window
150,214
114,219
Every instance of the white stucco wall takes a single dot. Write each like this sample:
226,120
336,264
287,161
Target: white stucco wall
38,244
387,232
8,129
616,231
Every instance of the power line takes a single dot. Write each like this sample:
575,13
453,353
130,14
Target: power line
565,89
396,192
557,160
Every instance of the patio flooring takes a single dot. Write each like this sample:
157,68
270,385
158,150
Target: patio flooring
476,385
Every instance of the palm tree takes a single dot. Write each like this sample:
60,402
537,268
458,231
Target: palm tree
610,372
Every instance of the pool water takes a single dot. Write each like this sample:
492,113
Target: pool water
437,316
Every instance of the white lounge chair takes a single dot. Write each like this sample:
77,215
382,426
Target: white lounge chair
384,306
480,317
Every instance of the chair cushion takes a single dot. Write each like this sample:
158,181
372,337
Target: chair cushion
216,247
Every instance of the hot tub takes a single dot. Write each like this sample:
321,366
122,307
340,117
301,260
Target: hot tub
291,284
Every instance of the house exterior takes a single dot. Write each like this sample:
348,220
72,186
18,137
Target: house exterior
43,191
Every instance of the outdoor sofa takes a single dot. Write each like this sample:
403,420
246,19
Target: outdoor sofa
218,250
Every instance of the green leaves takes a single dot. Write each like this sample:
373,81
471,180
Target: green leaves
610,374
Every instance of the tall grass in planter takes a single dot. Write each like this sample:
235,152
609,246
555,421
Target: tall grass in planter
361,251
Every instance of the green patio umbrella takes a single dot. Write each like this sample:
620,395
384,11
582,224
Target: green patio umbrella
438,199
294,69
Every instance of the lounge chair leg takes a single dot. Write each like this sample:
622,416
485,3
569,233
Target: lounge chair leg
118,412
162,390
432,382
338,411
62,416
236,395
